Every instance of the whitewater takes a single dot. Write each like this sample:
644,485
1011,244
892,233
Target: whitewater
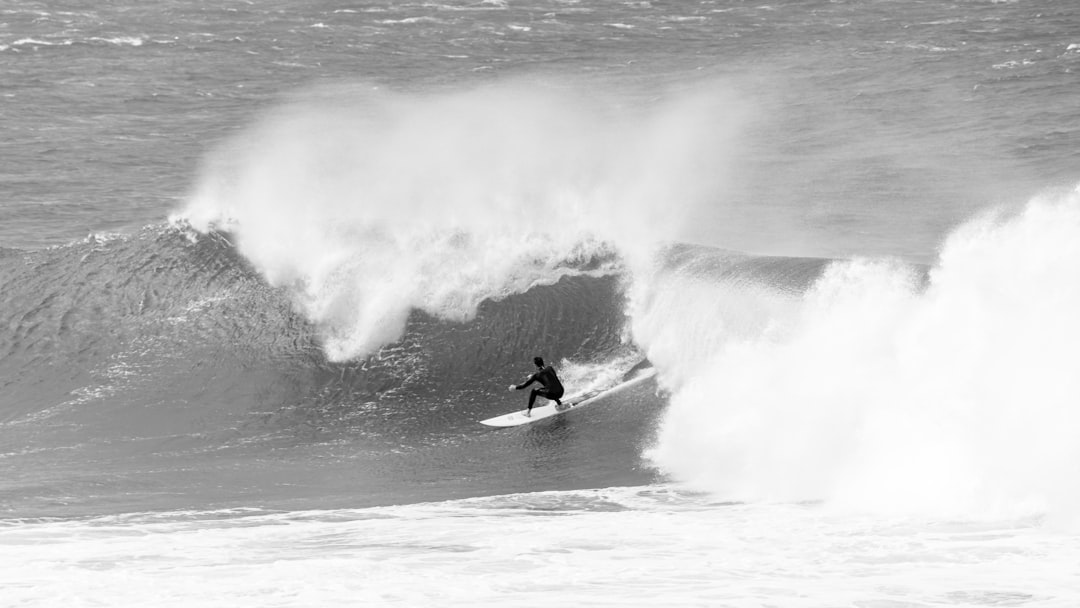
625,546
264,267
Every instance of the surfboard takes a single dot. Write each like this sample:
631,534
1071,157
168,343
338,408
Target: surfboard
571,403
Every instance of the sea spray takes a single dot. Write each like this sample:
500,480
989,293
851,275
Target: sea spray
369,204
692,301
878,390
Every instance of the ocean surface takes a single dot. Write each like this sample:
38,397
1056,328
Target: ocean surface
265,264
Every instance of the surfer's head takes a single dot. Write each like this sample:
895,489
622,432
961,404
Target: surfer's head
539,361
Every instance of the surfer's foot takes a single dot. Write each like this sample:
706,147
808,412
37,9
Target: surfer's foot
528,414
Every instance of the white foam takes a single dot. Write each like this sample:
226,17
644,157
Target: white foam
873,394
121,40
39,42
616,547
410,20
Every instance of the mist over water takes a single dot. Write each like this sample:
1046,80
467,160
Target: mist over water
368,204
884,389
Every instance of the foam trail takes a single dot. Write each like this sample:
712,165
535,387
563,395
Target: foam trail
875,391
369,204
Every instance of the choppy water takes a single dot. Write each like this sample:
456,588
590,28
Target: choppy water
323,235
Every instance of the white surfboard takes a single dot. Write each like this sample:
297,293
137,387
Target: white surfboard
571,403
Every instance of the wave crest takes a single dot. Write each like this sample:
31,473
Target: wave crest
369,204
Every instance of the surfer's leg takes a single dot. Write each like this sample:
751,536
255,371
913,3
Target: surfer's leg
541,392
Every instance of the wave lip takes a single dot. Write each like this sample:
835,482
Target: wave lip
436,203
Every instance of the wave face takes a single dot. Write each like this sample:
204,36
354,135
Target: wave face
161,371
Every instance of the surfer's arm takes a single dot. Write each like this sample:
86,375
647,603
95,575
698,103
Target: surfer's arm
531,379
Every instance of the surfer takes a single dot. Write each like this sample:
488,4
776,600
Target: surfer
550,387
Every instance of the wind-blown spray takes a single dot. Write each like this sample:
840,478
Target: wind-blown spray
370,204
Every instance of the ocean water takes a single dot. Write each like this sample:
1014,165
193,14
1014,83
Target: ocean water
263,265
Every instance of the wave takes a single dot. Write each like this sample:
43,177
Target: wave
85,318
367,268
871,383
126,319
161,371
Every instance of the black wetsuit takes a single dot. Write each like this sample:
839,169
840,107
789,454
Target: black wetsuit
552,388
